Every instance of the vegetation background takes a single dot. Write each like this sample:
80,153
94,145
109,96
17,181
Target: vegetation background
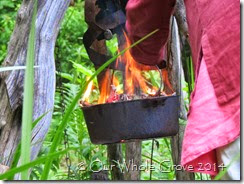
73,66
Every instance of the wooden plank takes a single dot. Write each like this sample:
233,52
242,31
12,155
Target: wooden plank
49,17
133,160
176,74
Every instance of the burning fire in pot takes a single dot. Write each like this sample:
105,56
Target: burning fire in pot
135,82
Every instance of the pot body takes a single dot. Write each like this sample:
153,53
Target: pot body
136,119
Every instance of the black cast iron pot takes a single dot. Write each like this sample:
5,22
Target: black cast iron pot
128,120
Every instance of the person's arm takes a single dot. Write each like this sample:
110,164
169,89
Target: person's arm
143,17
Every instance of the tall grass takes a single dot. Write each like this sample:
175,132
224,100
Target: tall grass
18,149
10,173
28,97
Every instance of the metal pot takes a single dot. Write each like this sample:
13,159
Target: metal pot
136,119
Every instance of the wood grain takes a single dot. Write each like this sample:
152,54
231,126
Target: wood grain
49,16
176,77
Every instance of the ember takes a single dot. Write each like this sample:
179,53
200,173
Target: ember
129,84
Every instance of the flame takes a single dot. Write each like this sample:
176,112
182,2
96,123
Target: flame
87,92
166,80
116,84
115,81
105,88
133,77
152,91
134,82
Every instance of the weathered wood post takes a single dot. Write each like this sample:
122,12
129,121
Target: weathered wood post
49,16
133,160
176,76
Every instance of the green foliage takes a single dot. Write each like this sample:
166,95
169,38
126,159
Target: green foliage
69,45
78,137
31,164
18,151
8,10
162,160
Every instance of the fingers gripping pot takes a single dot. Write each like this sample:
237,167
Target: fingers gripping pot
127,120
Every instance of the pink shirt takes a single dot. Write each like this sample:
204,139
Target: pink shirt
214,34
209,125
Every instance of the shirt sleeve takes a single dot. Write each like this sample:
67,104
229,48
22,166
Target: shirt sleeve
143,17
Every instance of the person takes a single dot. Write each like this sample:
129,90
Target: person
213,129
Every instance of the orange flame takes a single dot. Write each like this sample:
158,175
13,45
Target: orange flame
116,83
133,76
166,80
105,88
133,80
87,92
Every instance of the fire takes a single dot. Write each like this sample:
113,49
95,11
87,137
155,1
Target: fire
105,88
133,77
134,83
116,84
166,80
87,92
115,81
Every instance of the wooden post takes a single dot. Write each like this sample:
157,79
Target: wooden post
180,15
133,160
176,76
114,156
49,16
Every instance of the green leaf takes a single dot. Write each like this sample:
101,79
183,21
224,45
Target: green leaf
71,107
82,69
31,164
7,4
65,76
153,80
17,152
28,97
